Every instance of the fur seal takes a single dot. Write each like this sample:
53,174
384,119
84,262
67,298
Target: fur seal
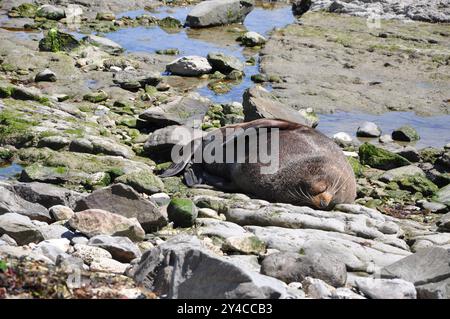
312,169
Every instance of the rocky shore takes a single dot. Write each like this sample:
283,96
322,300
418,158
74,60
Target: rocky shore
87,124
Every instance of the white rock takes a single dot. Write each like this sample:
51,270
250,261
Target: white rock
189,66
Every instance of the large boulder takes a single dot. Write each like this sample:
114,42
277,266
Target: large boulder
20,228
377,157
121,248
93,222
56,40
182,268
218,12
50,12
224,63
47,195
125,201
191,65
426,266
10,202
104,44
182,110
259,103
293,267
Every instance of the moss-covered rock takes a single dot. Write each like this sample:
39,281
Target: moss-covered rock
170,23
171,51
25,10
406,134
5,91
5,154
244,245
174,185
418,183
143,182
55,41
182,212
96,97
380,158
15,129
358,169
430,154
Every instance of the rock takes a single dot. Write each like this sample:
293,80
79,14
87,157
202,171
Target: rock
434,207
45,76
189,66
443,195
56,231
386,139
102,145
121,248
417,183
182,212
104,44
24,10
69,264
182,110
50,12
358,254
386,288
7,240
292,267
26,93
444,223
93,222
46,194
342,139
218,12
252,39
379,158
317,289
438,290
191,270
160,199
259,103
244,245
410,153
401,172
125,201
345,293
59,212
299,7
52,248
54,142
368,129
90,253
209,213
108,265
105,16
134,80
56,40
425,266
96,97
142,182
11,202
20,228
162,140
80,240
223,63
406,134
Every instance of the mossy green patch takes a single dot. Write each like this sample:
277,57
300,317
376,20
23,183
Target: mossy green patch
358,169
182,212
14,128
418,183
55,41
380,158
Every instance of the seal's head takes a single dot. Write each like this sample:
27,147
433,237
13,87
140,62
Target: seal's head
325,187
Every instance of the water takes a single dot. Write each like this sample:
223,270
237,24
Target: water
10,171
433,130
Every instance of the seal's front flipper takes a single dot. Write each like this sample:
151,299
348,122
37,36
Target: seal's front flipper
195,176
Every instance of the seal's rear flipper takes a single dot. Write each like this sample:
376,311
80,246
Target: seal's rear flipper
173,169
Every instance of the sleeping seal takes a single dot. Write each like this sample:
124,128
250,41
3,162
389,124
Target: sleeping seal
310,169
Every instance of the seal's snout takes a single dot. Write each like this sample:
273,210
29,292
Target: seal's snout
322,200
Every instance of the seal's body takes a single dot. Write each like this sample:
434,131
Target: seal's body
312,170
